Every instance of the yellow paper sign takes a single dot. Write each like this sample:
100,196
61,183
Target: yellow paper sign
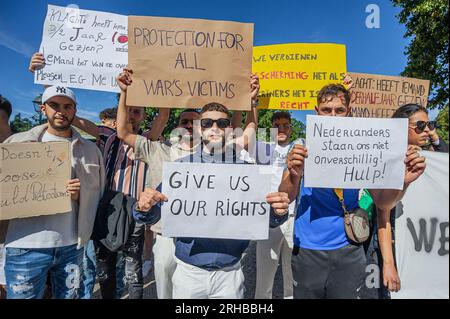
291,75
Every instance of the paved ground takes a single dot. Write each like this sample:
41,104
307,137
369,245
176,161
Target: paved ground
249,267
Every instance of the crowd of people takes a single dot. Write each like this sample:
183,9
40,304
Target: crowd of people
65,255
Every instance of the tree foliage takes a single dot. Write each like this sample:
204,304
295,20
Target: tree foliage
442,122
20,124
427,24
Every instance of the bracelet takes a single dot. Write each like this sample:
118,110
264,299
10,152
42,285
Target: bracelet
255,103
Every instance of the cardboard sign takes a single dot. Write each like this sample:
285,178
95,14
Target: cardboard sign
345,152
83,49
422,233
33,178
215,201
291,75
380,95
189,63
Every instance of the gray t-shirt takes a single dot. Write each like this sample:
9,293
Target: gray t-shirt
49,231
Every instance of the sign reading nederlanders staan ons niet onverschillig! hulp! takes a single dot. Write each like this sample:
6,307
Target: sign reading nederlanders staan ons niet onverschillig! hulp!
83,48
215,201
346,152
33,179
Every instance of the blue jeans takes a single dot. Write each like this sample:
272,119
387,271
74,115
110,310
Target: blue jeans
89,273
26,272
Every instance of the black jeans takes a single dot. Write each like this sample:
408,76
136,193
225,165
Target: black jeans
106,266
329,274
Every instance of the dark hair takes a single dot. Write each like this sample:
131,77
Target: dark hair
407,110
108,114
281,115
210,107
331,91
189,111
5,105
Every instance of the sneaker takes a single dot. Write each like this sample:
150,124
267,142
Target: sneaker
147,266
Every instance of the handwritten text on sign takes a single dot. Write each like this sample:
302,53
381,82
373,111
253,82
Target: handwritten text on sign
215,201
345,152
291,75
33,178
380,96
189,63
83,48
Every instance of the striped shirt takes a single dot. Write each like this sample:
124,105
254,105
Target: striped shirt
123,172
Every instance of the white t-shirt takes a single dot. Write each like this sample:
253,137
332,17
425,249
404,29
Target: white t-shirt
2,265
274,155
49,231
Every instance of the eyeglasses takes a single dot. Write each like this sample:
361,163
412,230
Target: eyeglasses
282,126
221,123
186,122
421,125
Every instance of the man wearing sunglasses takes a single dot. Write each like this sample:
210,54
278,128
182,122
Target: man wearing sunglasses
206,268
326,264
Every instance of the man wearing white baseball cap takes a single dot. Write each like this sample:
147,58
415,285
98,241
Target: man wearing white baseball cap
42,245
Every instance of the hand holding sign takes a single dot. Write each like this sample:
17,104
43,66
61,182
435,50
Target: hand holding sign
149,198
254,86
296,160
415,164
279,202
124,79
37,62
73,188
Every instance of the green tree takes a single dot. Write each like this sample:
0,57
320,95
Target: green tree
427,24
19,124
442,122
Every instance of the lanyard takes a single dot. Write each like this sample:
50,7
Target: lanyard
340,195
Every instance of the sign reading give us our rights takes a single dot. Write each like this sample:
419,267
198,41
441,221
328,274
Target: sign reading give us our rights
225,201
33,178
345,152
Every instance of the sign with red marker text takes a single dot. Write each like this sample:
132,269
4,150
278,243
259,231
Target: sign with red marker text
291,75
33,178
344,152
381,95
189,62
83,49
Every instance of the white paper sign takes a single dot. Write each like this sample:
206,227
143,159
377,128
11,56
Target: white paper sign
422,233
83,49
346,152
225,201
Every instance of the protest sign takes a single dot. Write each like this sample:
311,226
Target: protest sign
380,95
189,63
33,178
422,233
215,201
83,49
345,152
291,75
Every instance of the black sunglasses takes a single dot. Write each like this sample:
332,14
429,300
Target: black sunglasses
221,123
421,125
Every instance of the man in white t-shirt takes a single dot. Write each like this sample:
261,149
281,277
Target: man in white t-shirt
280,242
52,244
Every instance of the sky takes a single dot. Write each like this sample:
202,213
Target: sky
375,50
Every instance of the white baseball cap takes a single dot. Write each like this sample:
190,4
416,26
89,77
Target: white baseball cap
53,91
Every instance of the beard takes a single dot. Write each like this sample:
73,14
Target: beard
60,127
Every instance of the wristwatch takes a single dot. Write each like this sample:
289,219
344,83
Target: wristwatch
255,103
